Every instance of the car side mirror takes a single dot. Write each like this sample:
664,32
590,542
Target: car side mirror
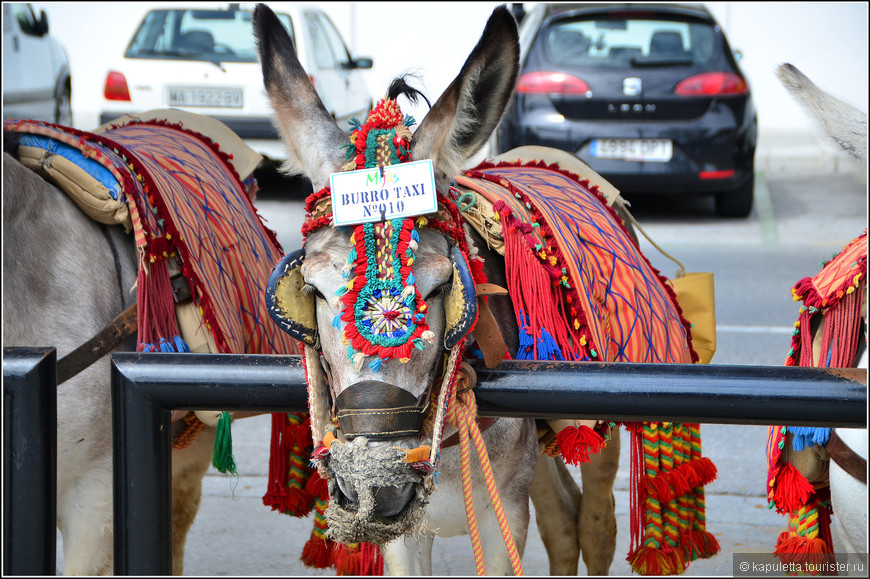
363,63
42,24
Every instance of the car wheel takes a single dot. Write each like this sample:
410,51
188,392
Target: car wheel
736,203
63,107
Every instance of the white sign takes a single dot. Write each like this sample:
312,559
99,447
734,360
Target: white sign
396,191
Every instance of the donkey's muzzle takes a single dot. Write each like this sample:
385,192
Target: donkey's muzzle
380,411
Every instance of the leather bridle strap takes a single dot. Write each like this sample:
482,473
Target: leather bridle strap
846,458
121,328
483,423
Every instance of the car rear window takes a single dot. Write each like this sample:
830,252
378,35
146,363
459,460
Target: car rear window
224,35
622,42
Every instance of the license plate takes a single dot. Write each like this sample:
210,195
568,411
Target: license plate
206,97
644,150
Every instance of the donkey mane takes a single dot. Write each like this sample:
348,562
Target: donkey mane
399,86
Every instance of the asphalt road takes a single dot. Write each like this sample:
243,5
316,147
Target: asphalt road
797,222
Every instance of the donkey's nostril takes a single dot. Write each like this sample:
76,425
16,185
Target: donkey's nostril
348,492
390,501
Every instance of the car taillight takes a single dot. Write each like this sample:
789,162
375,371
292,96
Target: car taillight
712,84
541,82
116,87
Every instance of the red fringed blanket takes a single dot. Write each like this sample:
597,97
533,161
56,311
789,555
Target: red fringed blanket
834,295
582,290
188,203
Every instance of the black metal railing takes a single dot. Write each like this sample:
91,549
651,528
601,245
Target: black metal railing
147,387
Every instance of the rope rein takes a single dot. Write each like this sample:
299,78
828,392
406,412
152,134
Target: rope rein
463,415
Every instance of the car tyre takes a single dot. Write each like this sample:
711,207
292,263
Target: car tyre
63,107
738,202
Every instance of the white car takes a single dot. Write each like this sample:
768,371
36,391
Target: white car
36,74
204,60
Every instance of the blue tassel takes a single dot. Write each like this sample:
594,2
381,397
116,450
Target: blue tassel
166,346
411,279
527,341
526,350
375,365
350,352
180,345
806,436
547,347
336,321
415,236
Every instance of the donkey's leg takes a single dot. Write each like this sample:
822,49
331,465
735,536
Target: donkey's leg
597,520
188,467
409,556
556,497
84,517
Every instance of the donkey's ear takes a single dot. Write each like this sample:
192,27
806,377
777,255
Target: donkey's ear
312,138
462,120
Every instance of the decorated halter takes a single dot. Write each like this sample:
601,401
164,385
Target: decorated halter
383,312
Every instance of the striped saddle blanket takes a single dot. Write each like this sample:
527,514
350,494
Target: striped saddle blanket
583,291
192,217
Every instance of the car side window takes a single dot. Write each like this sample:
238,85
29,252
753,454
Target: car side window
23,13
340,52
323,56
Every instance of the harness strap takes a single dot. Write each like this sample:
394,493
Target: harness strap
122,327
846,458
482,423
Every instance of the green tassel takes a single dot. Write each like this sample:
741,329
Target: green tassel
223,446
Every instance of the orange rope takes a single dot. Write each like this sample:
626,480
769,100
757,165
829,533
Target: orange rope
194,427
463,415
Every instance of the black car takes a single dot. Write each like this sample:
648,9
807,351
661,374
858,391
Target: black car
649,95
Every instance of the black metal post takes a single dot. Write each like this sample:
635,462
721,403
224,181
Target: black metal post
29,461
145,387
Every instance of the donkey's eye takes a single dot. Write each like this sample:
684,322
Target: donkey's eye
309,289
438,292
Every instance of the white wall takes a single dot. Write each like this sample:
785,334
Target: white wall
827,40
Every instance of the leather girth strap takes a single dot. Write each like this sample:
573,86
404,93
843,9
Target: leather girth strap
846,458
122,327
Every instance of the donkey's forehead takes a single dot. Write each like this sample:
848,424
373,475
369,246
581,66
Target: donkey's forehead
332,244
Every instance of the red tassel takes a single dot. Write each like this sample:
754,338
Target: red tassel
791,489
704,544
318,553
279,458
648,560
317,487
577,443
358,559
801,550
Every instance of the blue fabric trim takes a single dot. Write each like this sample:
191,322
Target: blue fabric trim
90,166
